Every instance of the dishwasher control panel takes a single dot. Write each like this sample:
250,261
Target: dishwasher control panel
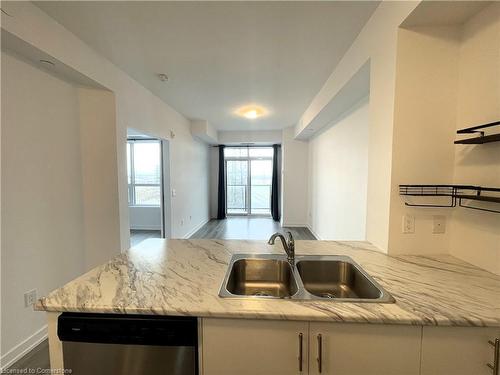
128,329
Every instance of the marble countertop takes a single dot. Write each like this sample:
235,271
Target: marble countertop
183,277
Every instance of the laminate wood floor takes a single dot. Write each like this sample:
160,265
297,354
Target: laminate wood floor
248,228
35,360
137,236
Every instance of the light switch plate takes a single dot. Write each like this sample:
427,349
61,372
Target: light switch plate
30,298
408,224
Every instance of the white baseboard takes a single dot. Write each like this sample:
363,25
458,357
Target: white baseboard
196,229
313,232
291,225
145,227
24,347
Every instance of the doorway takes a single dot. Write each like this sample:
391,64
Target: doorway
148,178
248,180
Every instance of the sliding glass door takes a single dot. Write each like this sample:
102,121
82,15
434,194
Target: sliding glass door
237,187
248,180
261,173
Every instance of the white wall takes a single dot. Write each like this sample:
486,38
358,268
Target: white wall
99,175
204,131
42,197
377,43
263,137
189,176
424,131
448,78
338,177
137,108
475,235
143,217
294,179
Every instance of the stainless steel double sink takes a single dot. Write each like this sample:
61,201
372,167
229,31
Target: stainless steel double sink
314,277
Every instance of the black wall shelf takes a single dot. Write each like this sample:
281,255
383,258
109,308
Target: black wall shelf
481,138
460,195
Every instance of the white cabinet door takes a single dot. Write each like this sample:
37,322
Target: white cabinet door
457,350
364,349
253,347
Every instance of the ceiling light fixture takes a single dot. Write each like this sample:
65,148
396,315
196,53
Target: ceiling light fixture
251,112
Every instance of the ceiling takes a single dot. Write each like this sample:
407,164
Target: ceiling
444,13
222,55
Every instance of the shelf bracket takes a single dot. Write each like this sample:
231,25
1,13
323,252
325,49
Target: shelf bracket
460,204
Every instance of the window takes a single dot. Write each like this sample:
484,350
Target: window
144,173
248,180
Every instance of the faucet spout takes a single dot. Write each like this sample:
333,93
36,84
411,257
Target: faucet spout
288,245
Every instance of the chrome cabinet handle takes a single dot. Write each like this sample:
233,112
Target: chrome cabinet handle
320,351
496,360
300,351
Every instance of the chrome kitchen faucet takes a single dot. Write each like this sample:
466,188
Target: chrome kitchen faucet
288,245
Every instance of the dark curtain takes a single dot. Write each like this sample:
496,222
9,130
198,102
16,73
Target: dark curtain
275,191
221,209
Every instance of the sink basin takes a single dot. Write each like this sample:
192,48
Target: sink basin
261,278
336,279
314,277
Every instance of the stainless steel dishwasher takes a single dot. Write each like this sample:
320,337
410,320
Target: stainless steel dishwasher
112,344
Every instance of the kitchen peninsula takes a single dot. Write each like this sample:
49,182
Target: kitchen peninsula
436,297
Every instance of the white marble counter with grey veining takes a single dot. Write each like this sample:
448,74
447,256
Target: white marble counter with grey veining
183,277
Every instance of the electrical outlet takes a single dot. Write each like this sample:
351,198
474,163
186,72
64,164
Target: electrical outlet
438,224
30,298
408,224
174,193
